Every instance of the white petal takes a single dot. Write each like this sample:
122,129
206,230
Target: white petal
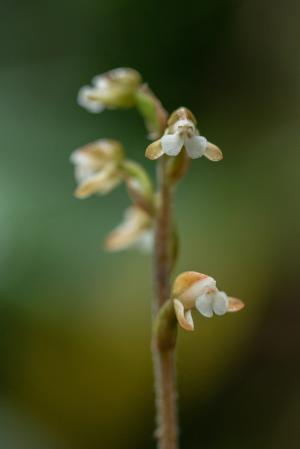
86,100
195,146
172,144
220,303
204,305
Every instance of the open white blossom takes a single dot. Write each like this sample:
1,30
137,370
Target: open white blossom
183,133
97,167
113,89
193,290
135,231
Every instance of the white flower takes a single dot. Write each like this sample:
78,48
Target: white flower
135,231
182,133
113,89
198,291
97,167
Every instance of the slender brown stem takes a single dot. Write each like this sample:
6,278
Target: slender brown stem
164,354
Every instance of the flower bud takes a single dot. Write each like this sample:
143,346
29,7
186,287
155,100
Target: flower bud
193,290
113,89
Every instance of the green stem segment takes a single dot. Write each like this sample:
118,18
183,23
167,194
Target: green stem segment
165,327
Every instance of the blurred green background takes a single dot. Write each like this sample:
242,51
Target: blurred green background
75,369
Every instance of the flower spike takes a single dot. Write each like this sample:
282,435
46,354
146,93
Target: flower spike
193,290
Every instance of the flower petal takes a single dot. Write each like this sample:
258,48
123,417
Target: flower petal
132,231
220,303
195,146
185,281
212,152
154,150
189,319
204,305
102,182
87,99
172,144
235,304
184,318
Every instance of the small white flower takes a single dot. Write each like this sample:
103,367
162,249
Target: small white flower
135,231
97,167
182,133
113,89
194,290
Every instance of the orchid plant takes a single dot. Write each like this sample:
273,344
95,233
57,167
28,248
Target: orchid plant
100,167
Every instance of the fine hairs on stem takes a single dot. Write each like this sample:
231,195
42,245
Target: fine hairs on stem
101,166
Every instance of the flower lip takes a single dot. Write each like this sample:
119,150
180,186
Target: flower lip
211,302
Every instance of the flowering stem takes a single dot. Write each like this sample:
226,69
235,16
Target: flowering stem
164,334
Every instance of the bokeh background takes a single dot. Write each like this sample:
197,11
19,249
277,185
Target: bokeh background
75,369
